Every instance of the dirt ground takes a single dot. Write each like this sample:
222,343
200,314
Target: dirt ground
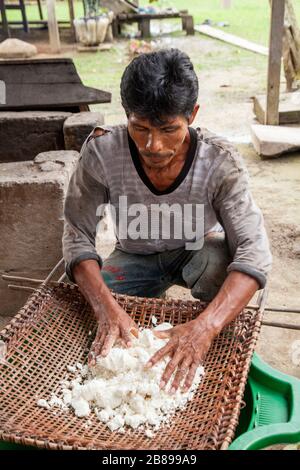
228,79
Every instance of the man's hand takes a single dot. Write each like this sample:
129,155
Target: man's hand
114,324
190,341
188,346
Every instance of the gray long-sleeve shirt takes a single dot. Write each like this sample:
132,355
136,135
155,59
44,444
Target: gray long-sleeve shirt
211,193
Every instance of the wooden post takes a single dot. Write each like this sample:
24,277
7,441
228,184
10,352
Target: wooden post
53,27
5,26
291,47
145,27
189,25
72,16
274,65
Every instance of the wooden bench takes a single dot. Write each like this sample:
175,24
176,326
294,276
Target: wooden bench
143,20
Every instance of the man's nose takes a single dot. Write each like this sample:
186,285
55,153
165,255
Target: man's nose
154,144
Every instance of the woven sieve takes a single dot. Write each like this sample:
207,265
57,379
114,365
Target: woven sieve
52,330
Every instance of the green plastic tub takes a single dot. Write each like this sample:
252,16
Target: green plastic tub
272,412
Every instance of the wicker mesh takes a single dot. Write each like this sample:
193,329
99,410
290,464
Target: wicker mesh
51,330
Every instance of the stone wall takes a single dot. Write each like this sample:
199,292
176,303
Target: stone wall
31,219
24,134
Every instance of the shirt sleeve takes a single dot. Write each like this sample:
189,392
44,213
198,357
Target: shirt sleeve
241,219
84,205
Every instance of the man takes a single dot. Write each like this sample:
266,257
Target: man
159,162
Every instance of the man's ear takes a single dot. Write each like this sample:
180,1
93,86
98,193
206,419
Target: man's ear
194,113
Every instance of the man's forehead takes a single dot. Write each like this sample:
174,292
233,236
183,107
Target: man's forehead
167,121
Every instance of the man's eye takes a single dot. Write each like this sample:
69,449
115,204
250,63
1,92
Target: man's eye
168,131
140,129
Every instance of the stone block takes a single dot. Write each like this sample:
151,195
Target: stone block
272,141
24,134
32,195
78,126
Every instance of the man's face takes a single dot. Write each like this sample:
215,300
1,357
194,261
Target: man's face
158,145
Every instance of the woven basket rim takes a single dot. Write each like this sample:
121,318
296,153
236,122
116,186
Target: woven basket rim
43,294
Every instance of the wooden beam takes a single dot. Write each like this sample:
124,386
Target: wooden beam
288,111
72,17
274,64
231,39
53,27
5,26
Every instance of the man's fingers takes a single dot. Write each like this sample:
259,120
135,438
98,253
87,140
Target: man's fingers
162,334
134,331
127,338
190,377
108,343
159,354
182,371
96,348
176,359
91,359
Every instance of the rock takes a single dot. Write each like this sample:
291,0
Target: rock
296,249
62,157
13,48
272,141
78,127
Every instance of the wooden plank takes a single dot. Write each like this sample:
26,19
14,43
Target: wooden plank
53,27
259,110
148,16
288,110
46,84
45,96
39,71
274,65
231,39
118,6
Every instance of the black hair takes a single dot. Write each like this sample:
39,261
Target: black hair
160,84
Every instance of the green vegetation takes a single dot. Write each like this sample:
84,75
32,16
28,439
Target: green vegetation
246,18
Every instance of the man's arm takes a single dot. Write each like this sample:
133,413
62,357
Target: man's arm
189,343
85,200
86,193
241,218
248,243
113,322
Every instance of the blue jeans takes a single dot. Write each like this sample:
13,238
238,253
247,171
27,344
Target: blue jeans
203,271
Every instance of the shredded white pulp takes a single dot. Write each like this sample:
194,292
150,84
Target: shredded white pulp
120,391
